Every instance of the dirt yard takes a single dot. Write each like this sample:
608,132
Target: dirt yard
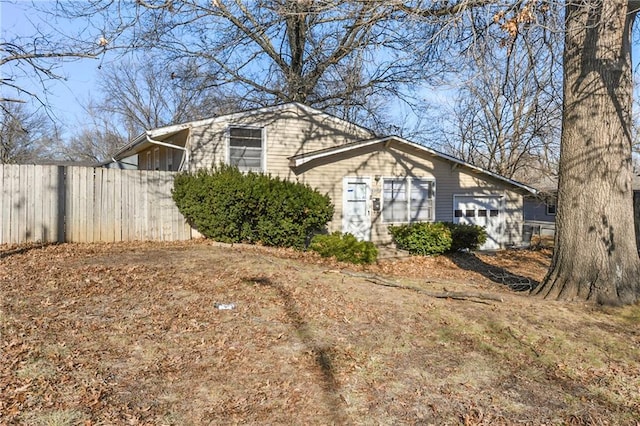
134,334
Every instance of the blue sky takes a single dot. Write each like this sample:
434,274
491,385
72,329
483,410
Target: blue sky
67,97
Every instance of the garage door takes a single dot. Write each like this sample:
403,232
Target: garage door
485,211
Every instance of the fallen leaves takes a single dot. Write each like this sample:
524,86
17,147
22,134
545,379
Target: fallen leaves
130,333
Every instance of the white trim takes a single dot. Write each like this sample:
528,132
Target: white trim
156,159
174,128
367,181
408,181
299,160
263,140
554,204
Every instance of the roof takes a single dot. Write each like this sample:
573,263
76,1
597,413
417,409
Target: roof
137,143
549,185
298,160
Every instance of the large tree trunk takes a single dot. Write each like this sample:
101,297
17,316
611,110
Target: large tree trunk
596,257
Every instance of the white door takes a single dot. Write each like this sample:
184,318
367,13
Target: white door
485,211
356,212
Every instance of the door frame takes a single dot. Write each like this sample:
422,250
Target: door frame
345,221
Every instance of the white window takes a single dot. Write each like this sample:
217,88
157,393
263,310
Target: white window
246,148
551,207
407,200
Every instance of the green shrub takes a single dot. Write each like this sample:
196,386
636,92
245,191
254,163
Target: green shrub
227,205
422,238
464,236
345,248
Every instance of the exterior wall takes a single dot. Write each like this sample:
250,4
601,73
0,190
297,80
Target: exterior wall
296,130
536,210
378,161
168,157
287,133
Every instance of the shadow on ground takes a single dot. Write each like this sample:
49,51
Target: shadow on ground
471,262
22,249
321,351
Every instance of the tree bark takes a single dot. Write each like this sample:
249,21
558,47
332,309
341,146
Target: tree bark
595,256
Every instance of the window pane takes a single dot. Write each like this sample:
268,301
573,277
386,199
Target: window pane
482,213
395,212
421,199
493,213
457,213
394,200
241,142
245,132
245,148
470,213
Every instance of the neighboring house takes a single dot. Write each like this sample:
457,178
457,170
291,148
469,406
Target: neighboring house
540,209
373,181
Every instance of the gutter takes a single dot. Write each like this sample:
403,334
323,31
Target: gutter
185,157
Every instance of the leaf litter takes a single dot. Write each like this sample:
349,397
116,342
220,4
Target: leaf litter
132,333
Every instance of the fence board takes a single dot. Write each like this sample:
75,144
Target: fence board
21,195
4,220
58,204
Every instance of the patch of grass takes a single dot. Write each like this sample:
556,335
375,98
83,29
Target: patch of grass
142,341
54,418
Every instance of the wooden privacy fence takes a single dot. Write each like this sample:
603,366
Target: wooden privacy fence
86,204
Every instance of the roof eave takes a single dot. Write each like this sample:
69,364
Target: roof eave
299,160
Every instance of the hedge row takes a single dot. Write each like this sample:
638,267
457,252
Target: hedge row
429,238
227,205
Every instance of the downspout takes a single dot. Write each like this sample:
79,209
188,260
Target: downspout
185,158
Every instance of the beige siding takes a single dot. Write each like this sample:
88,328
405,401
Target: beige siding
287,132
389,162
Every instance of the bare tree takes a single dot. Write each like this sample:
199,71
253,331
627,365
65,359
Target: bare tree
24,136
280,50
96,141
140,94
344,57
507,114
31,60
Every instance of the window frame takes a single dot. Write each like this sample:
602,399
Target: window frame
263,148
548,204
408,184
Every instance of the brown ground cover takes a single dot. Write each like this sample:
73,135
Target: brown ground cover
132,333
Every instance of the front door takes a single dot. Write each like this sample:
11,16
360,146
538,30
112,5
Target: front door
485,211
356,211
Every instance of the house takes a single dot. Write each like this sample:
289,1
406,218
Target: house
540,209
373,181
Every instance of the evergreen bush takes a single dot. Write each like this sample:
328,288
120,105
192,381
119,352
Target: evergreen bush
422,238
345,248
466,237
227,205
429,238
